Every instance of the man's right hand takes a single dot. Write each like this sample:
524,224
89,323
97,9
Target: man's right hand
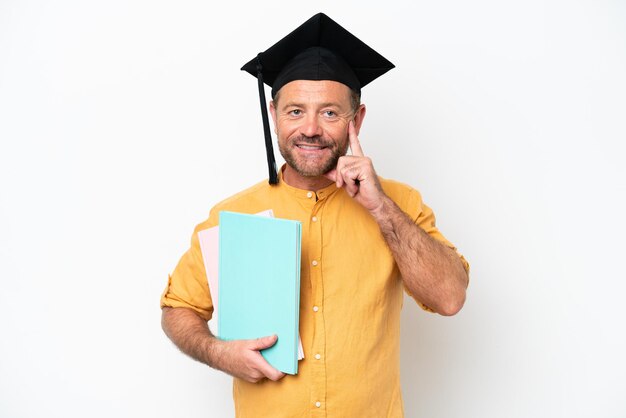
239,358
242,359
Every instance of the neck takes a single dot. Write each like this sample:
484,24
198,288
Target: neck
292,178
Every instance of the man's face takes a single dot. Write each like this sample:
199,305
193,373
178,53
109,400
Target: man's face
311,120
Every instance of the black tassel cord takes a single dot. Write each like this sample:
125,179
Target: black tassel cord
269,149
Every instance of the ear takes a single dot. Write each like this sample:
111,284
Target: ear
273,113
358,118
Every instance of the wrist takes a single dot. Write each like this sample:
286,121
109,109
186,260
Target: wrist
381,212
215,351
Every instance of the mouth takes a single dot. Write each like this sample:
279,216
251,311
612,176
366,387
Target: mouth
309,147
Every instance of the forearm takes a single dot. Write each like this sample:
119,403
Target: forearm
431,272
239,358
191,334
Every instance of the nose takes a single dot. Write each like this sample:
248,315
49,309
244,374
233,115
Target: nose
310,126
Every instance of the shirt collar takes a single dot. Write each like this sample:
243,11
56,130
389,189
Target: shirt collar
306,194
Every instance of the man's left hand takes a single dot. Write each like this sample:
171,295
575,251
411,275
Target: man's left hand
355,173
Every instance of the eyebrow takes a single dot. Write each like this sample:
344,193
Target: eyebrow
289,104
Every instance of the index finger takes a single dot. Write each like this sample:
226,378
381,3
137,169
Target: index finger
355,145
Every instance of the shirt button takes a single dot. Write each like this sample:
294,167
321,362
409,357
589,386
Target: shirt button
309,195
314,262
315,309
314,219
317,357
318,404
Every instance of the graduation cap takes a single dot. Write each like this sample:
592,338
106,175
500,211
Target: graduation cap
319,49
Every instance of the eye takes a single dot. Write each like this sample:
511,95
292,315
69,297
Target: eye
329,114
295,112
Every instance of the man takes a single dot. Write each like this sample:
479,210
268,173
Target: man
364,240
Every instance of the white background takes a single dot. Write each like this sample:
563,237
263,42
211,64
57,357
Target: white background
123,122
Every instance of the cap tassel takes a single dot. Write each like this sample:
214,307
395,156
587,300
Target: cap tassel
271,161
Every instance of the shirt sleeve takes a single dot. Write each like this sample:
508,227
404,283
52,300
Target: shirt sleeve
187,286
424,217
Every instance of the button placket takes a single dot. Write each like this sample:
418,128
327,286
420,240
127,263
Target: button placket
318,346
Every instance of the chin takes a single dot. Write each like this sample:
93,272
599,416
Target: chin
310,171
314,169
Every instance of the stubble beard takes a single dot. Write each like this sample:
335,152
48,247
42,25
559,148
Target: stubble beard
311,167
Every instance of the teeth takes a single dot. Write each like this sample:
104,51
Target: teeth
308,147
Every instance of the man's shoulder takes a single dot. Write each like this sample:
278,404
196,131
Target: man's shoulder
245,197
395,187
405,196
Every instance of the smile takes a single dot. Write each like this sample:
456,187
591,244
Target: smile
310,147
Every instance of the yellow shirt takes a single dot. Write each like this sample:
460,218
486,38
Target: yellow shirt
350,302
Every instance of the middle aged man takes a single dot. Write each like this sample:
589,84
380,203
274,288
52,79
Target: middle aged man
365,239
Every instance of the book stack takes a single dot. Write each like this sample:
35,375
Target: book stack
253,268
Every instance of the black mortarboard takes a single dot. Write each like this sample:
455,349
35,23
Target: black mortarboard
319,49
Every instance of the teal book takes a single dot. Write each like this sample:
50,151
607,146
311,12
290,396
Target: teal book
259,283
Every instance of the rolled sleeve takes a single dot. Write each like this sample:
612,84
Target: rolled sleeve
187,286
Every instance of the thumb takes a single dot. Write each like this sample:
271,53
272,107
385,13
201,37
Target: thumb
264,342
331,175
